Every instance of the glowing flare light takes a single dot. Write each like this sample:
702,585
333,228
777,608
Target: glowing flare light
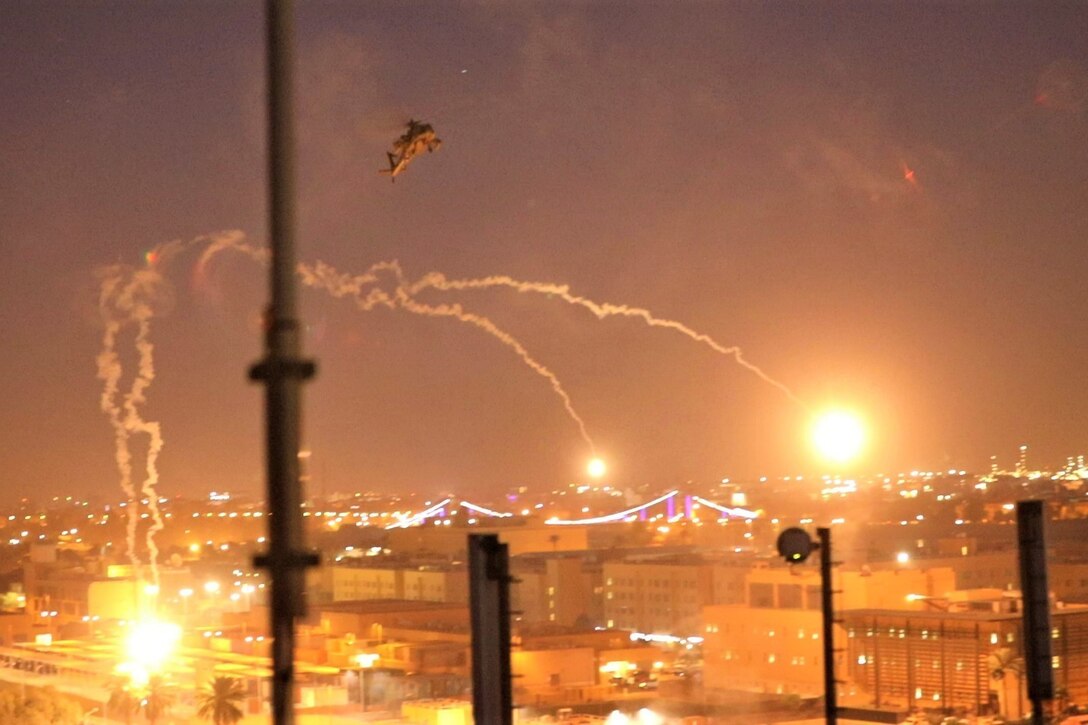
838,436
148,646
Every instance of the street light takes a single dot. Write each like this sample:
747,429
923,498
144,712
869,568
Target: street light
365,660
795,545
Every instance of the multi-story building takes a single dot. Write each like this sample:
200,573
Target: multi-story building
772,641
657,595
427,583
969,656
560,589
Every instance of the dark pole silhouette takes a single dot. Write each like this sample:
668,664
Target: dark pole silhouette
282,371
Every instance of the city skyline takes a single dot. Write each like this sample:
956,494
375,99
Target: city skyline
884,215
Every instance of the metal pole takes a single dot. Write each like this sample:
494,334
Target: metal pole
1030,516
489,602
282,372
827,608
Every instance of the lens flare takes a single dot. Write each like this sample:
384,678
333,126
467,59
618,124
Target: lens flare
838,436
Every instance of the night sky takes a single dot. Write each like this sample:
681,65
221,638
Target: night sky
885,205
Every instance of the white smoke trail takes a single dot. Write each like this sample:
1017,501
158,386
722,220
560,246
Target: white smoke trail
126,300
365,290
437,280
458,313
135,423
109,371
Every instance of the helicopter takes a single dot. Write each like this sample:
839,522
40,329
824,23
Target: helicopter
416,137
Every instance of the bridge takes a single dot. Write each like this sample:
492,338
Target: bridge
676,506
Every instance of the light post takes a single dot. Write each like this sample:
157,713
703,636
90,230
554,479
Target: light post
838,436
795,545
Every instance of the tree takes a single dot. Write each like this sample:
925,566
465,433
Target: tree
157,699
123,701
37,706
221,700
1005,661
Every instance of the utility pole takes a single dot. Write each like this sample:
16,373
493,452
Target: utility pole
281,372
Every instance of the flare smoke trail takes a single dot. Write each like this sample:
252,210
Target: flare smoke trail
365,290
109,372
339,285
126,299
437,280
135,423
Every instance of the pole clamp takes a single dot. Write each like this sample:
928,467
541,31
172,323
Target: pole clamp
291,368
291,559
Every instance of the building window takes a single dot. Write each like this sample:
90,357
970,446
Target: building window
1056,662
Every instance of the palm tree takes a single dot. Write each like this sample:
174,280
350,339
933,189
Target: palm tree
122,702
1002,662
157,699
221,700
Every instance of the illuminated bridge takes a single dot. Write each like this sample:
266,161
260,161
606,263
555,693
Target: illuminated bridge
676,506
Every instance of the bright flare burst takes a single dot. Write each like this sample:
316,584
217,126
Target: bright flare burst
838,436
596,468
148,646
